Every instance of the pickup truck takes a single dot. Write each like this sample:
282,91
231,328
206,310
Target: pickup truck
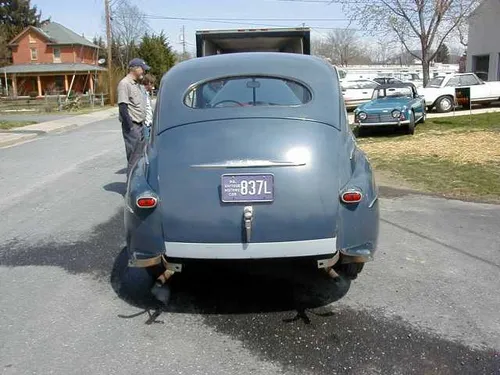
293,40
440,91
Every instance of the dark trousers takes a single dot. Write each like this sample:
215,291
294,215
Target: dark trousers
134,140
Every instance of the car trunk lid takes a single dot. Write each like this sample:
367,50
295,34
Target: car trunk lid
288,166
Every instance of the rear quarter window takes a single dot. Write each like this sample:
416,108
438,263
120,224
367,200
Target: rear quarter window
247,91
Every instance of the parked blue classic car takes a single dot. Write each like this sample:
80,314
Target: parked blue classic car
265,168
395,104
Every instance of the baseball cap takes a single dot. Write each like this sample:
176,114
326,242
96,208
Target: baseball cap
138,62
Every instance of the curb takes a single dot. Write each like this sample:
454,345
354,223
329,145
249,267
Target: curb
19,139
15,136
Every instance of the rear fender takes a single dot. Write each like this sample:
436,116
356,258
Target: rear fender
359,223
143,227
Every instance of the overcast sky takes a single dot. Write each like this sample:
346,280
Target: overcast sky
85,16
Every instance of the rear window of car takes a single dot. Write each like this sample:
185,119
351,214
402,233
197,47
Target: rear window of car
247,91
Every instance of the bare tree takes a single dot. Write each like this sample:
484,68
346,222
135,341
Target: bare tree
342,47
344,43
383,50
320,47
128,26
462,34
422,24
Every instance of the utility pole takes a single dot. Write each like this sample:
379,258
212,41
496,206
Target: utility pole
183,41
108,37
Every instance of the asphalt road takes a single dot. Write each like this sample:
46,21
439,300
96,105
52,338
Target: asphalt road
428,304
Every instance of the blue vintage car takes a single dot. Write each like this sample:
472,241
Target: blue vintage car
265,168
394,104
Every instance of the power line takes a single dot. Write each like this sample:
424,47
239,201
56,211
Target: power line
222,21
240,23
209,19
108,41
309,1
183,39
329,2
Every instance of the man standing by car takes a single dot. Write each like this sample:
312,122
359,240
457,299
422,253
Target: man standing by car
148,84
132,109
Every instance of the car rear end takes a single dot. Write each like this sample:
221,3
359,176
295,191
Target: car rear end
249,187
262,169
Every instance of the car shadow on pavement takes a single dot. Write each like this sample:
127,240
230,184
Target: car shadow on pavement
116,187
121,171
233,288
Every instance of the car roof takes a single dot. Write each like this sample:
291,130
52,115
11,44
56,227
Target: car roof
359,80
319,76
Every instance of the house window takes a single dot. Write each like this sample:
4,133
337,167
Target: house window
57,55
34,54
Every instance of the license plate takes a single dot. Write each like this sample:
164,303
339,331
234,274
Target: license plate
247,187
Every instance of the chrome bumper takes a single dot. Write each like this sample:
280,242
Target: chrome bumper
398,123
252,250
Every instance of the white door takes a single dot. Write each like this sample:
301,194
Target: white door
478,90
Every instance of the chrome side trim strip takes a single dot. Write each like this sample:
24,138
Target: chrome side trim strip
252,250
249,163
373,201
351,155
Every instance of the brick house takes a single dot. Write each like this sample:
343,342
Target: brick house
51,60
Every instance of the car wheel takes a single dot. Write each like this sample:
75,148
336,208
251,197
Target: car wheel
411,126
350,270
424,117
444,104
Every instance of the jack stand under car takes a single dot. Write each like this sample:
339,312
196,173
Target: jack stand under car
161,289
155,266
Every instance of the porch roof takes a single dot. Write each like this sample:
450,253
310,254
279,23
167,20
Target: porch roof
51,68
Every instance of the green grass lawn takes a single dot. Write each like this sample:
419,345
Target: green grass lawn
5,125
464,123
449,156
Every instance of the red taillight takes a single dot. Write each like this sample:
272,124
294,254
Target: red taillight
351,196
147,202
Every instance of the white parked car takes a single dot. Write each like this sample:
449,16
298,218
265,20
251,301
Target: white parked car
357,91
440,91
